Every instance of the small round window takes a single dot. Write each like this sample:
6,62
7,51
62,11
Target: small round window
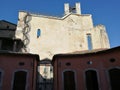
112,60
89,62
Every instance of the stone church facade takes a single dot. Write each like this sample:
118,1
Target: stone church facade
49,35
61,35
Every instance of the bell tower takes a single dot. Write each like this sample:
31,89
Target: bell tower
68,9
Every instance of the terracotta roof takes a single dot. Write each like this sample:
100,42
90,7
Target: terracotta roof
87,52
10,53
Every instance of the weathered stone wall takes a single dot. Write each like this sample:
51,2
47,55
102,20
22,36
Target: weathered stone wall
100,37
60,35
63,35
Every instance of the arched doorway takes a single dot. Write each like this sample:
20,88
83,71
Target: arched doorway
20,80
114,75
91,80
69,80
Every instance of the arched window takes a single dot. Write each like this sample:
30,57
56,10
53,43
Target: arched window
20,80
91,80
38,33
114,75
69,80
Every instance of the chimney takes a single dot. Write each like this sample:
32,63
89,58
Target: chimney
66,8
78,8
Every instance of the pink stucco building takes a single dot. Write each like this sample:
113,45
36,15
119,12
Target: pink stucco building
92,70
18,71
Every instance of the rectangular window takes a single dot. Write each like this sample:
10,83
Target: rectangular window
89,40
45,72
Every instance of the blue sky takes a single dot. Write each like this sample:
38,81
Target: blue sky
106,12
